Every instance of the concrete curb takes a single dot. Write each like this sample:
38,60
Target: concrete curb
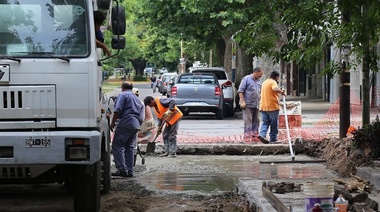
251,190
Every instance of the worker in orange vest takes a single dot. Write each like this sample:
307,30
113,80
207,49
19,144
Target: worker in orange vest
166,111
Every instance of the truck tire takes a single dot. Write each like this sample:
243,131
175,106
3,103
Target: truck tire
105,165
87,188
68,185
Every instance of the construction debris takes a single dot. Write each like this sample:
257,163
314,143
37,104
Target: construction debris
355,183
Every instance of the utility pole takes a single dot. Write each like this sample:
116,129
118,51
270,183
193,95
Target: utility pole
233,62
366,68
345,87
210,59
182,61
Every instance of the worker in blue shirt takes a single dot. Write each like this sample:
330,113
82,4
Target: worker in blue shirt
129,113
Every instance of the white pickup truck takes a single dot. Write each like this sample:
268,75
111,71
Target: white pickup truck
198,92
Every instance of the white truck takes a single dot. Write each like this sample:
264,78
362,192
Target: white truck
53,126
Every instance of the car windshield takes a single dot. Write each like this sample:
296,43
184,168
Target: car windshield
197,79
44,28
221,75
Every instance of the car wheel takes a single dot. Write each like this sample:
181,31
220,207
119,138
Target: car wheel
230,112
219,114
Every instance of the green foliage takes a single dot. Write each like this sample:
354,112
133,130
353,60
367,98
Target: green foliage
156,27
139,78
368,137
331,68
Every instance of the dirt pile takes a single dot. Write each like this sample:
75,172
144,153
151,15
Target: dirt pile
339,154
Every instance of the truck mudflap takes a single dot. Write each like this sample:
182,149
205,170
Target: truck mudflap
49,148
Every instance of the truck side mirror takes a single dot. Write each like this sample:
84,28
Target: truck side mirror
118,42
118,20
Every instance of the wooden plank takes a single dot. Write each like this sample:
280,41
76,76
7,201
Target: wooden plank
273,200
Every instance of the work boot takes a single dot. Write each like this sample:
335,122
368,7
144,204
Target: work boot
120,174
263,140
130,174
163,154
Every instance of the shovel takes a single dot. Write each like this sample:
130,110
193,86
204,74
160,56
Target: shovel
151,146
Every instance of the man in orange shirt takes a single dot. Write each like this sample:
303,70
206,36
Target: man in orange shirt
270,108
166,111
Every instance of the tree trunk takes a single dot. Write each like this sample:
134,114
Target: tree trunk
139,66
243,64
227,54
220,51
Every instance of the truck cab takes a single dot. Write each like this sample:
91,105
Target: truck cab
53,127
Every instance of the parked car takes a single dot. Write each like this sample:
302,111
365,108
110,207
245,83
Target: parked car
169,86
198,92
229,90
160,81
163,70
165,83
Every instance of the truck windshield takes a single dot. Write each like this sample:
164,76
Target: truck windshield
44,28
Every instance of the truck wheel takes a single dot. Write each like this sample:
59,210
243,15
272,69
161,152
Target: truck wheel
105,170
219,114
69,185
87,188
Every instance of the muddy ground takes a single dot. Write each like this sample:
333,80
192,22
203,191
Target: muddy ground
338,154
127,195
128,201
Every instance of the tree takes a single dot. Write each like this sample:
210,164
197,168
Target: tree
310,27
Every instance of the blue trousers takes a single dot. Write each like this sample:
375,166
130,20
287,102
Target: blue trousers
270,121
123,146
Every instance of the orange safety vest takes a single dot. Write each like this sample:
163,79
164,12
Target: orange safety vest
177,114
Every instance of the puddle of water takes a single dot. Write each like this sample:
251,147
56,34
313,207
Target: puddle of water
203,182
290,171
224,174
